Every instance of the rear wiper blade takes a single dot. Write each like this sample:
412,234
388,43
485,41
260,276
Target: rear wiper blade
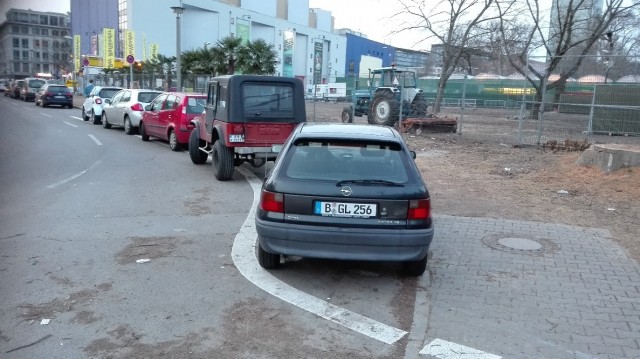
369,182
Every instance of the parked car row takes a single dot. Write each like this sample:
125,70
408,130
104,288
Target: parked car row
337,191
40,91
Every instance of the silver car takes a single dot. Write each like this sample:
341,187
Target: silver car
92,106
126,108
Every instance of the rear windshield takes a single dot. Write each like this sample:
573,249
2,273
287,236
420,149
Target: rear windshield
272,100
58,89
352,160
108,93
195,105
36,84
147,96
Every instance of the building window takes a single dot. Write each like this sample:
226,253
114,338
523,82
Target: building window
55,33
45,55
35,30
36,43
15,29
24,30
25,67
56,45
53,21
45,68
64,33
25,55
37,55
56,56
33,19
45,44
45,32
44,20
16,54
16,67
25,43
16,42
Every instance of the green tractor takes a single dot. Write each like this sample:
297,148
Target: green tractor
391,90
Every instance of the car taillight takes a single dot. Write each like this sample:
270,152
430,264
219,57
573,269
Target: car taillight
98,101
419,209
137,107
272,201
68,95
190,126
49,94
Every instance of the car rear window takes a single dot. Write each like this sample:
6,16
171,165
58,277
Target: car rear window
147,96
108,93
195,105
270,100
342,160
36,84
58,89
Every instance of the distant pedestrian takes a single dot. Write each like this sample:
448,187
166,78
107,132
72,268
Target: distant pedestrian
88,88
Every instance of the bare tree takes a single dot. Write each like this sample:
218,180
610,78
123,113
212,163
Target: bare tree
572,36
455,23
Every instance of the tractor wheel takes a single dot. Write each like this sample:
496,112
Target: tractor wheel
419,106
384,109
347,115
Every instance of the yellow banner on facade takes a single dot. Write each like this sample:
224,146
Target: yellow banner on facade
109,36
77,53
144,47
153,51
129,43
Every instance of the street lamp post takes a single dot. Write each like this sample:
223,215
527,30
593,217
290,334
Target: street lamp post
178,11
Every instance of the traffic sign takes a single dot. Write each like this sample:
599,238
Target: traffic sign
85,62
130,59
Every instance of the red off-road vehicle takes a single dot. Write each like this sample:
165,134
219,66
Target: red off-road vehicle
245,116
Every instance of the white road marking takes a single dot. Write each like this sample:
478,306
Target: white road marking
73,177
76,118
443,349
44,114
70,124
243,255
95,140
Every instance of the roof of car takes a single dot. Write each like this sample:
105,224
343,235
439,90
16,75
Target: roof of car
351,131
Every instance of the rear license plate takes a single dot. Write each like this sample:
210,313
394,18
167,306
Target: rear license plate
340,209
236,138
58,96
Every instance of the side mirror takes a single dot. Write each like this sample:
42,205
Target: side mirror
413,154
107,101
147,107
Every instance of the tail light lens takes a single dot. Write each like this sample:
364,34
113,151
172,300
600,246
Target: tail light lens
98,100
137,107
272,201
419,209
68,95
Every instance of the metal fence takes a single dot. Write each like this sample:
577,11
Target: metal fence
149,80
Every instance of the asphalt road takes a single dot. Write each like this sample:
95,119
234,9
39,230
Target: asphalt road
80,205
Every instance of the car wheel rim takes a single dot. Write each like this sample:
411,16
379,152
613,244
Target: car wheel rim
382,110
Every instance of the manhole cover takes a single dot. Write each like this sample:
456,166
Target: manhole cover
520,244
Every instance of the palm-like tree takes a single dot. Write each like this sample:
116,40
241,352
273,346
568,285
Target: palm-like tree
257,57
225,54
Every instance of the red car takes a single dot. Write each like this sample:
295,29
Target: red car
168,117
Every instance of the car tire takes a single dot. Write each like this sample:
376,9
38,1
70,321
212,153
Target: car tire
414,268
84,115
36,102
128,128
44,104
105,121
222,161
174,145
267,260
143,132
197,156
95,119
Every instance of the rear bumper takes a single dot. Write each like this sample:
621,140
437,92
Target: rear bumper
344,243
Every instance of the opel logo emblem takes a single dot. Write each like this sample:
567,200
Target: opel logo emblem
346,191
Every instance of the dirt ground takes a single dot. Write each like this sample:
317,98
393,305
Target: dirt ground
476,177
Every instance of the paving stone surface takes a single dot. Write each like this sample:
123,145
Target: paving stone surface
578,296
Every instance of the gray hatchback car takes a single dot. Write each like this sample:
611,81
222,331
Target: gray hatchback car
348,192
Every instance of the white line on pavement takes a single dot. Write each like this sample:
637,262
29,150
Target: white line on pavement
443,349
243,255
70,124
76,118
44,114
73,177
95,140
